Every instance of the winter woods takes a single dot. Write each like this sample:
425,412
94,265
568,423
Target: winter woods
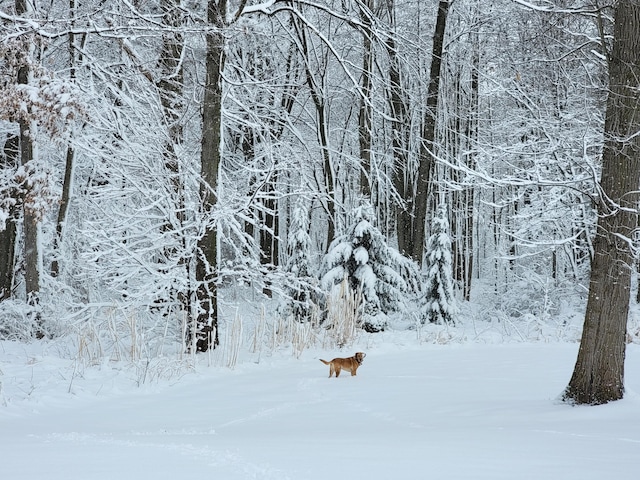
157,155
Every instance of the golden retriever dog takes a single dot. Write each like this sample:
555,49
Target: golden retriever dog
350,364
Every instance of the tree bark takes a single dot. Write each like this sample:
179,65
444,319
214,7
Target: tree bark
170,83
269,247
29,219
427,146
30,227
206,329
365,113
598,376
62,211
8,235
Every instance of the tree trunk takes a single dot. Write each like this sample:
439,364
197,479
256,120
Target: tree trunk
269,232
426,166
402,178
206,328
30,227
170,83
468,204
598,376
62,211
68,168
364,115
8,235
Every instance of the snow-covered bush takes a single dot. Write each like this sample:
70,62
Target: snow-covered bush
19,320
439,304
372,268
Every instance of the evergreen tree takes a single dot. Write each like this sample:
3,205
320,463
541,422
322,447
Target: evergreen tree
439,305
379,272
299,291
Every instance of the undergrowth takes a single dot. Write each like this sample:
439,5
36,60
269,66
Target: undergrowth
150,346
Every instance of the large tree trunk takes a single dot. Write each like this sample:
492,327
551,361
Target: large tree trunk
598,376
206,329
426,167
30,227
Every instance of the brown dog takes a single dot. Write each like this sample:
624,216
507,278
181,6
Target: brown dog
350,364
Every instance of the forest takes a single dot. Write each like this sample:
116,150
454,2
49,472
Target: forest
170,167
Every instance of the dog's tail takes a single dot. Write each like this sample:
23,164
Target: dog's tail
325,362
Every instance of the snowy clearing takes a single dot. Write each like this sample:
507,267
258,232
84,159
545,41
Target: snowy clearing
466,411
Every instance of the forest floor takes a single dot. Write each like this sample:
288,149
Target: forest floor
414,411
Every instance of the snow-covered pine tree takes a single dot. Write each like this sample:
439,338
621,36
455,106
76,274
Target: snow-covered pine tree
299,292
378,271
439,304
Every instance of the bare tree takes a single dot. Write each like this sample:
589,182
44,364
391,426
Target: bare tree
400,134
206,328
315,83
427,150
71,154
364,115
598,376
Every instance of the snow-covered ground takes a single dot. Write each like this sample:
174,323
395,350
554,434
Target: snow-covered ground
464,411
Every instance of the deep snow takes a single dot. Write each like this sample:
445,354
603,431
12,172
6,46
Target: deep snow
468,411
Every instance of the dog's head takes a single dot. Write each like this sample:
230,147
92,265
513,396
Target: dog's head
359,356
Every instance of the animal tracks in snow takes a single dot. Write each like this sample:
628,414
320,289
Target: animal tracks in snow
227,459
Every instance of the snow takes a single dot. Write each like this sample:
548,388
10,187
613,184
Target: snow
339,253
360,255
414,411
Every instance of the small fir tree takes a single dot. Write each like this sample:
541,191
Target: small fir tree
439,305
300,291
371,267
